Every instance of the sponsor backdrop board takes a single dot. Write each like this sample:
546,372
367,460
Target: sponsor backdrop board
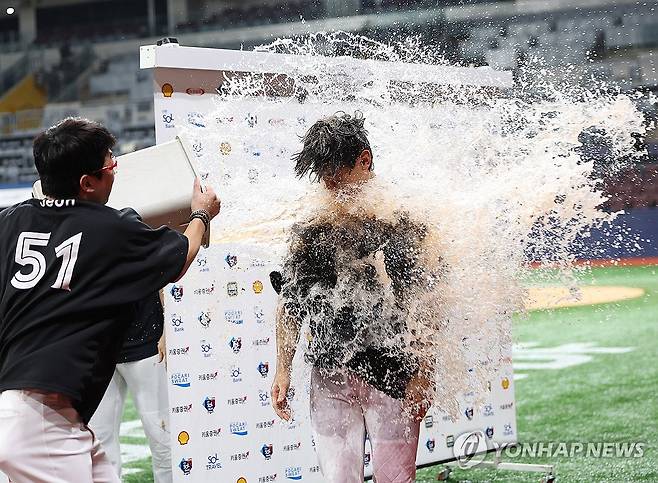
220,316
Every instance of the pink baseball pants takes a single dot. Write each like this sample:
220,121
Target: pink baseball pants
42,439
343,406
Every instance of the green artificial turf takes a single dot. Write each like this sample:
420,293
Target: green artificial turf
612,398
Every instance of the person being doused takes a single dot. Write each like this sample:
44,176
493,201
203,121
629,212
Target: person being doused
356,277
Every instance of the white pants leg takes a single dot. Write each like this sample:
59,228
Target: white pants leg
338,428
39,443
106,421
147,382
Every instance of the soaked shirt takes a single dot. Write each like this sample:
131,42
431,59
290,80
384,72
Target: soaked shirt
351,281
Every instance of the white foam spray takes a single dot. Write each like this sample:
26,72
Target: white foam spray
494,175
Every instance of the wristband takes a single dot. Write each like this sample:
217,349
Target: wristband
202,215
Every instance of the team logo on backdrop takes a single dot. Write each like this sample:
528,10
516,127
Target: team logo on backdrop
450,440
196,119
197,147
292,447
208,376
232,289
186,466
265,424
237,401
489,432
225,148
213,462
294,473
508,405
252,120
177,323
195,91
168,119
488,410
430,445
204,319
259,314
468,413
178,351
209,404
234,316
206,348
257,286
314,469
265,478
239,428
181,409
231,260
267,450
211,433
507,430
264,398
235,344
236,374
205,290
253,174
177,293
505,383
265,341
183,438
264,368
224,119
180,379
429,421
202,263
240,456
277,121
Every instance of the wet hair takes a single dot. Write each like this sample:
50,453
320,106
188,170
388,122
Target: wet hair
332,143
66,151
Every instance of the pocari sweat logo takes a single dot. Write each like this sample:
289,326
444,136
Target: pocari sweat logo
294,473
239,428
180,379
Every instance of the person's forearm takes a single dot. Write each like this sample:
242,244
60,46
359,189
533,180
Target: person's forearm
287,336
194,234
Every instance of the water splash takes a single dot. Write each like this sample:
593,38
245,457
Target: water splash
497,177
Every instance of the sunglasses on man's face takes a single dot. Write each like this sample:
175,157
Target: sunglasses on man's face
110,167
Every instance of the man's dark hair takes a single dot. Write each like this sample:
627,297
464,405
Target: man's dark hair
330,144
66,151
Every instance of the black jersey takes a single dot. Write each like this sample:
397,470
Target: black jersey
352,329
144,331
70,274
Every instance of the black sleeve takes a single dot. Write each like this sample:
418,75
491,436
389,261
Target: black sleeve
303,267
146,259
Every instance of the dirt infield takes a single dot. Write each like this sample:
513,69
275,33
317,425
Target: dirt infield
540,298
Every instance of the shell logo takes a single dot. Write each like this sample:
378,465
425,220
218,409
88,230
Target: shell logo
505,383
167,90
242,479
258,286
183,437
